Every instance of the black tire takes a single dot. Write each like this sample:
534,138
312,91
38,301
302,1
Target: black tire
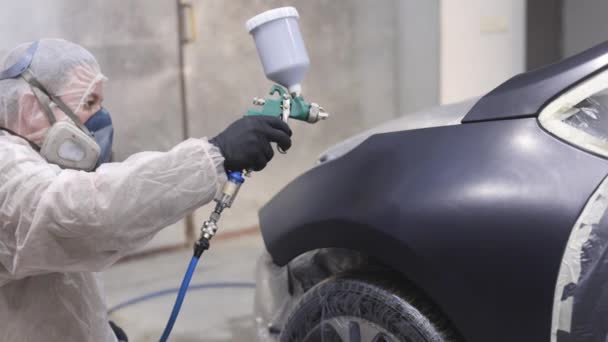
348,306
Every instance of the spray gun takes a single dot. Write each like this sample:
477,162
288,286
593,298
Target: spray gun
281,49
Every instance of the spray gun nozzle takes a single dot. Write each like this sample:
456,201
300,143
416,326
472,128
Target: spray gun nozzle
316,113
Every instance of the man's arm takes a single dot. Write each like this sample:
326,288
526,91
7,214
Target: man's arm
66,220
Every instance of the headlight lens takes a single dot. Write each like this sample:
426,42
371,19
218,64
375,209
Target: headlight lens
580,116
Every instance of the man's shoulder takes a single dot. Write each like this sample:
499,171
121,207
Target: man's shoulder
7,138
15,148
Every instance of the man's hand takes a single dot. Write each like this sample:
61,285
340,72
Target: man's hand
245,144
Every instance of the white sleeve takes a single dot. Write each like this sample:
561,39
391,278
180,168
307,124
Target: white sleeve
54,220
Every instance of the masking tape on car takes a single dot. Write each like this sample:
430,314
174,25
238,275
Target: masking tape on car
580,304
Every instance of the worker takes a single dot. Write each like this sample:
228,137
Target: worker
66,212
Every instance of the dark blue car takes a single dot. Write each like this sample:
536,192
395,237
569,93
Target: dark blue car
484,221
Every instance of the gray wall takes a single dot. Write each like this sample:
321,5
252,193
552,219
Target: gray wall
584,24
418,54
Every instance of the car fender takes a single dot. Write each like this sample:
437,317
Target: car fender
475,215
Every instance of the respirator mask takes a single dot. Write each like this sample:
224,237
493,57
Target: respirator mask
72,145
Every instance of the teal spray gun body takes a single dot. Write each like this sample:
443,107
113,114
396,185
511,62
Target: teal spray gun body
288,106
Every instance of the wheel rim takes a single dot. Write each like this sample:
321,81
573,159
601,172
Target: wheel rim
349,329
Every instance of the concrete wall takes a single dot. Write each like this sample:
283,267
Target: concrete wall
482,45
418,54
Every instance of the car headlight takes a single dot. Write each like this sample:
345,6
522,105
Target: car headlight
580,116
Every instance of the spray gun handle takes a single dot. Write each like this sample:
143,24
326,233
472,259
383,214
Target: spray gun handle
288,106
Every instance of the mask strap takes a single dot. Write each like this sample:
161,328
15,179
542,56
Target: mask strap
44,102
28,77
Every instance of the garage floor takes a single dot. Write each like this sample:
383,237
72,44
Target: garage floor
211,315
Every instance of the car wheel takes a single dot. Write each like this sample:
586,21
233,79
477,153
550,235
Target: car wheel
358,310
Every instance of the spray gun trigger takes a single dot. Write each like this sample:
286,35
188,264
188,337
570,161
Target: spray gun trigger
286,107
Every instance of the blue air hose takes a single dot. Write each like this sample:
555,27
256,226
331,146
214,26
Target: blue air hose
180,298
229,191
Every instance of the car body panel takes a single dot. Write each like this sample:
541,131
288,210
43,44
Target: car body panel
525,94
476,215
445,115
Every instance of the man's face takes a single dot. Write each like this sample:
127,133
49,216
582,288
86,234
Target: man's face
33,122
77,95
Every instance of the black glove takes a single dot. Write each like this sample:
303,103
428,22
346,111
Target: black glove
245,144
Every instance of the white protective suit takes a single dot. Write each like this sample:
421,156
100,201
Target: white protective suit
59,226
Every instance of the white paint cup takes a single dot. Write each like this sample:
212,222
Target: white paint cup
280,46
